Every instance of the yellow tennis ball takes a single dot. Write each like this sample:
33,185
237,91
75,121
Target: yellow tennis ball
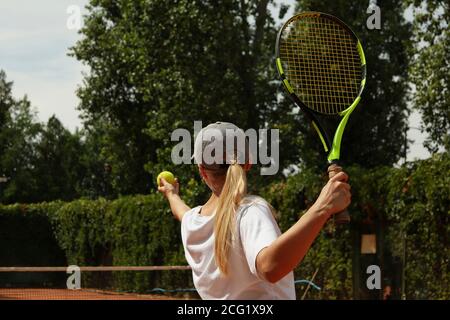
167,175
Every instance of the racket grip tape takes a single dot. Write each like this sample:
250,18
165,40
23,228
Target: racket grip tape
342,217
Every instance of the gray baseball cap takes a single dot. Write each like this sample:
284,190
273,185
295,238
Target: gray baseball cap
220,143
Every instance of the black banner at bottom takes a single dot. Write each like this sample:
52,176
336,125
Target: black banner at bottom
196,309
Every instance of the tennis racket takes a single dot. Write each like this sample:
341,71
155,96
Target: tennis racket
323,69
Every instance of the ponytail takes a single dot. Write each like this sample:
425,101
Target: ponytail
233,191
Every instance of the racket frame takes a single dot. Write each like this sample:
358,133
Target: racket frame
331,147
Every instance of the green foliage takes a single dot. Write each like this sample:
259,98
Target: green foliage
97,177
27,229
128,231
18,131
57,166
418,208
27,239
45,162
81,231
430,69
6,101
41,162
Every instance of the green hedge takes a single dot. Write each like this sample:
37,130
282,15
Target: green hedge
418,205
27,239
411,202
131,231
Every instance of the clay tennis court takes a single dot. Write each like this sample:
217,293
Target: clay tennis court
82,294
48,292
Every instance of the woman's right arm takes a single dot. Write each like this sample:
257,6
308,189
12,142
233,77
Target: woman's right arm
171,192
286,252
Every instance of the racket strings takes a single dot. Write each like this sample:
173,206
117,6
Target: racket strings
321,62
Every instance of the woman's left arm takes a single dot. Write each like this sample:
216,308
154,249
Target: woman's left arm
171,192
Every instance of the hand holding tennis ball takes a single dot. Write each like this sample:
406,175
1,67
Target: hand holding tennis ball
171,185
166,175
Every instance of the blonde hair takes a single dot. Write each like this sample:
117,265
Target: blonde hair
233,192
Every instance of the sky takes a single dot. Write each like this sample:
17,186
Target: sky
34,42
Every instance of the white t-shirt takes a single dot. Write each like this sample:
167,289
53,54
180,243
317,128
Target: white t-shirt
257,230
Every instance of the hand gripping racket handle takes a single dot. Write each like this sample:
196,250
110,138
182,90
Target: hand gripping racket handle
341,217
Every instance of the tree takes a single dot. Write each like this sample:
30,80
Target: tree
430,69
41,162
17,135
157,66
6,101
97,178
375,132
57,166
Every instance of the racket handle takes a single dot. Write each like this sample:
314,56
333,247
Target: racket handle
342,217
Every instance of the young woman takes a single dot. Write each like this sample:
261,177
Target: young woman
232,242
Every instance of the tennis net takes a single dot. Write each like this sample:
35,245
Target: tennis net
96,283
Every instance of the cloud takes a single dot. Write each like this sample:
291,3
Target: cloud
34,42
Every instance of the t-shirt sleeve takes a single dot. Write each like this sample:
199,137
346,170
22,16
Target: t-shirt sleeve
258,229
